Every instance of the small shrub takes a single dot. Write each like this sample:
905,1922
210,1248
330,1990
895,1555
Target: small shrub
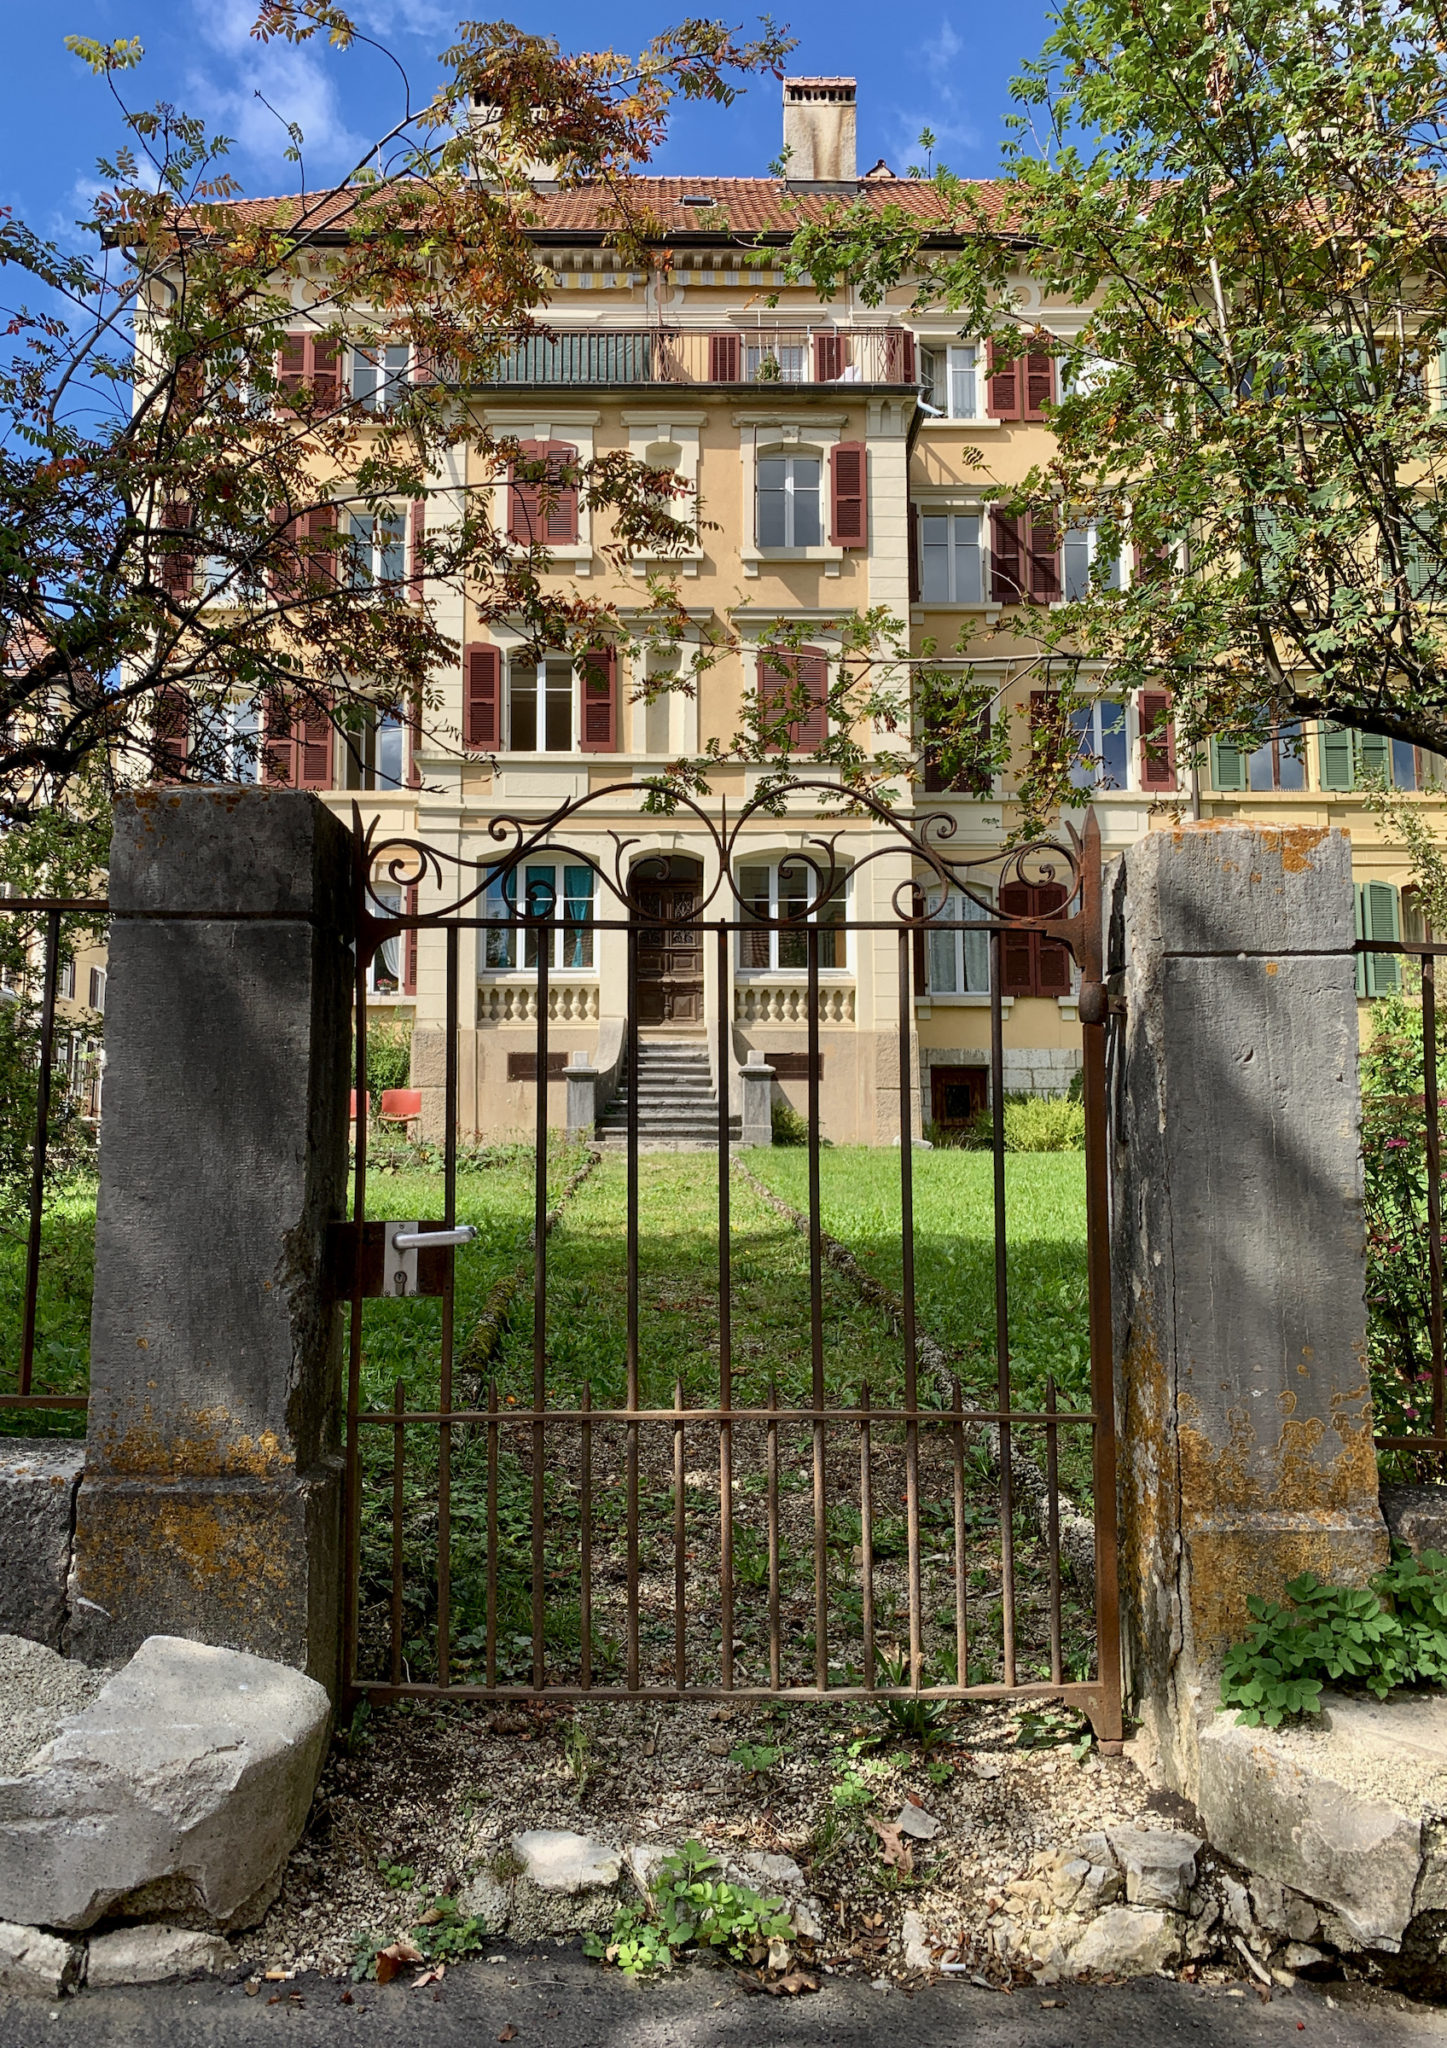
789,1127
1391,1632
389,1057
1044,1123
691,1906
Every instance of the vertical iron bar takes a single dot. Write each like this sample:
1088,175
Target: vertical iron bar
42,1138
725,1327
352,1527
1052,1530
1434,1189
962,1619
585,1561
1002,1303
680,1560
866,1537
632,1228
449,1217
492,1532
771,1469
540,1289
399,1452
906,1248
1109,1725
816,1323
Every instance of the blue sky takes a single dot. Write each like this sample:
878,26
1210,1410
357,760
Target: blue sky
949,70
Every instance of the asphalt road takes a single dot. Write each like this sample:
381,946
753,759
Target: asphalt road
557,2000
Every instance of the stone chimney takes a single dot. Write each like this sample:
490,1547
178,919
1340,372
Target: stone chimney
819,128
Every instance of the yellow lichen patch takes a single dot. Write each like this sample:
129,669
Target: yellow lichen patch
208,1446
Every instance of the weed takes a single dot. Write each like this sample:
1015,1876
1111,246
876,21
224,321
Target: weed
397,1876
578,1750
691,1906
756,1758
445,1935
916,1719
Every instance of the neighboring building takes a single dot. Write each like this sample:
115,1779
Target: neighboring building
828,445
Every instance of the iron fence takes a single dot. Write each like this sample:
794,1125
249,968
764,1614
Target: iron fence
480,1521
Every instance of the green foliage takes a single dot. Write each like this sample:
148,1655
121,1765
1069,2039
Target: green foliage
397,1876
445,1934
1044,1123
1392,1632
389,1057
691,1906
756,1758
919,1720
790,1128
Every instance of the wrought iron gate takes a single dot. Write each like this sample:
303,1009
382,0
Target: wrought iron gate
521,1523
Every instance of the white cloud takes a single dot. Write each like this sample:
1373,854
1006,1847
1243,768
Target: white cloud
946,113
295,86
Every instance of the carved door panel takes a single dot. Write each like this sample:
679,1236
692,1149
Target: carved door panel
670,954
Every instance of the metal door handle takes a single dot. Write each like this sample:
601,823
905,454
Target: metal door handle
412,1240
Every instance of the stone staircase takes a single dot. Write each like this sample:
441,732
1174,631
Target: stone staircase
676,1103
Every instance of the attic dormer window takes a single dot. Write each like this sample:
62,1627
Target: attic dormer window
697,199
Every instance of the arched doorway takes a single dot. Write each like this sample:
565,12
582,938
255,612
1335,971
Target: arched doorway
666,889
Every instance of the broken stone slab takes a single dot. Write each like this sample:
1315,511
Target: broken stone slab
1335,1811
41,1965
914,1821
38,1481
915,1936
762,1868
1416,1516
37,1690
558,1860
181,1789
1128,1941
1159,1865
155,1955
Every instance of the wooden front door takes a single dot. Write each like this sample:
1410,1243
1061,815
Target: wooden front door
670,946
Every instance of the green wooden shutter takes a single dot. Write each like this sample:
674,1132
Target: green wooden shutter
1228,766
1381,918
1374,757
1361,934
1336,758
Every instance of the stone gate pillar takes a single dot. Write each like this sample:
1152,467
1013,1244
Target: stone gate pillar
1240,1338
210,1504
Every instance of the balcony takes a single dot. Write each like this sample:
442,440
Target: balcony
757,357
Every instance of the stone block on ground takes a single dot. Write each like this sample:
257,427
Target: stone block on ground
1334,1811
38,1481
1128,1941
155,1955
558,1860
179,1791
37,1690
41,1965
1159,1865
914,1934
1416,1516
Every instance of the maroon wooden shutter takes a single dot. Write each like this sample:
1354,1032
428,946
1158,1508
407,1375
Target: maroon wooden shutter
915,585
831,357
321,566
313,739
561,522
919,965
279,750
409,946
783,677
414,741
291,363
1007,563
325,369
900,361
1158,741
1052,959
178,567
598,723
171,724
1002,388
524,499
848,496
480,667
812,671
1017,948
1039,372
1042,558
424,364
725,359
416,534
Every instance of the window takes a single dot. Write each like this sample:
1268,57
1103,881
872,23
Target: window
1082,555
98,989
1102,757
773,362
1031,964
540,705
959,962
1346,756
1024,558
241,740
549,890
951,558
376,755
378,374
1278,763
384,976
951,380
788,493
784,891
379,547
65,978
542,505
1379,918
1020,388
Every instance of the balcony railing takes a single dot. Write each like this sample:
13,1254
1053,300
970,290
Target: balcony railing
784,355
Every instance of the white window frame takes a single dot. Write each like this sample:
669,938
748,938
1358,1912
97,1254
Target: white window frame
965,368
801,882
362,751
1098,710
759,349
954,549
370,381
1083,542
390,958
372,538
967,952
791,457
516,665
498,949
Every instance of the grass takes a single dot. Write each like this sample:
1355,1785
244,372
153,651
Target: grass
62,1321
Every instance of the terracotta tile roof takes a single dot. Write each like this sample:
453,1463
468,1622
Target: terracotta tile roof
749,205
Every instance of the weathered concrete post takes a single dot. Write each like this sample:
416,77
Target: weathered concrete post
756,1123
1246,1451
210,1505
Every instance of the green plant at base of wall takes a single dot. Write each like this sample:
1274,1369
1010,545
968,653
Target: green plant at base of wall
1390,1632
691,1906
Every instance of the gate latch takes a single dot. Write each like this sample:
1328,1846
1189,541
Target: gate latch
396,1258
